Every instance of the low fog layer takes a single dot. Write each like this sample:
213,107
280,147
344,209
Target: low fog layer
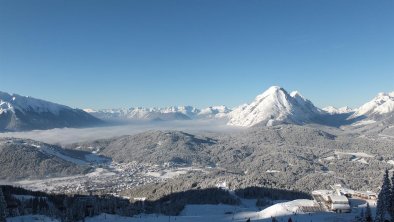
71,135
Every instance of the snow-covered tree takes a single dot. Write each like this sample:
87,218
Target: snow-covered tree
3,206
383,199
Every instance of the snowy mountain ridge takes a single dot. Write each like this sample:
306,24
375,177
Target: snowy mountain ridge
166,113
382,104
27,113
10,102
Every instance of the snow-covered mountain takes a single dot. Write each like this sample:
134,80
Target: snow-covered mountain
27,113
275,106
167,113
379,107
334,110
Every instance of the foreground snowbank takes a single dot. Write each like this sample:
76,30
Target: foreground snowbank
31,218
285,209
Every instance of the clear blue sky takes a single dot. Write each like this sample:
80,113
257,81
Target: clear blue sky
100,54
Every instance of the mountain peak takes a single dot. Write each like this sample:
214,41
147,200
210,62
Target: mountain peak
273,90
296,94
273,106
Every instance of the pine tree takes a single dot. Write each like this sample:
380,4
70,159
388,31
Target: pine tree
3,206
383,199
360,218
391,199
368,215
35,205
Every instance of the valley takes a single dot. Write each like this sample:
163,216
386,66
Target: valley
286,156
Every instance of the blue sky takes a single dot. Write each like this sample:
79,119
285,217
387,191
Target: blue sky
100,54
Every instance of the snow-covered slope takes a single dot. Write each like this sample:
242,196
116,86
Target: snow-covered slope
275,106
379,107
27,113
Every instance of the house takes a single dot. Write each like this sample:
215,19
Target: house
365,195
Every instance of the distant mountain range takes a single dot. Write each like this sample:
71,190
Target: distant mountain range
26,113
274,106
161,114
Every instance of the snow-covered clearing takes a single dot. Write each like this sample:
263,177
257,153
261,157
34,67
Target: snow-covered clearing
360,160
101,172
52,152
357,154
171,173
363,122
272,171
330,158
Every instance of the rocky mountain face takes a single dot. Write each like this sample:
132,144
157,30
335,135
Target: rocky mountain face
26,113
